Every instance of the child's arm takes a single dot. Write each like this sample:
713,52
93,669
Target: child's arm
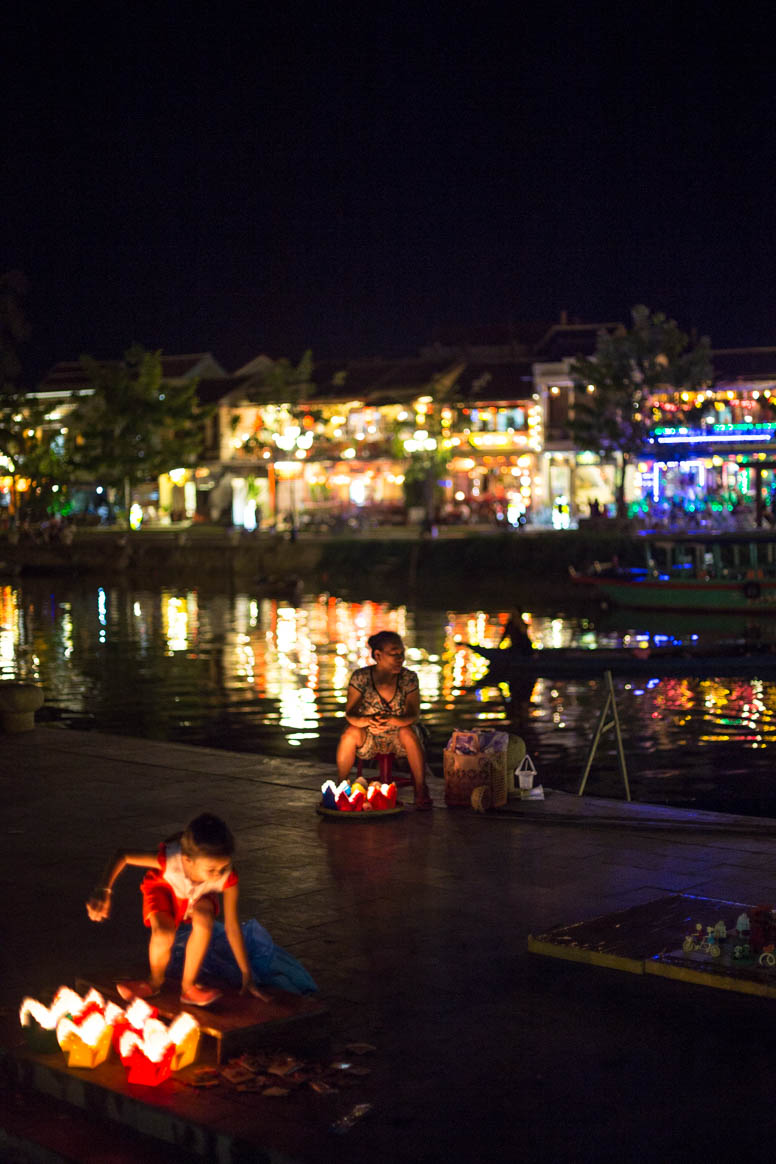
235,938
98,905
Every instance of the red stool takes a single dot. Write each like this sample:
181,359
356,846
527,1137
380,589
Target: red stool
384,769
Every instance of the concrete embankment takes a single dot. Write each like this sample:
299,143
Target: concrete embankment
415,928
498,562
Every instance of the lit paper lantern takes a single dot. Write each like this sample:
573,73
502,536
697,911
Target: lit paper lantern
330,791
151,1054
357,798
66,1001
132,1019
86,1043
84,1028
143,1069
381,796
343,799
39,1022
184,1032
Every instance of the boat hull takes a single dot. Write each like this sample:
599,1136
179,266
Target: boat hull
752,596
578,664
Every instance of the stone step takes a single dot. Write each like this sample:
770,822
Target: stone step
211,1124
36,1129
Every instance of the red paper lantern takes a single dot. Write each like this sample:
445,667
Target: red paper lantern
382,796
151,1054
148,1072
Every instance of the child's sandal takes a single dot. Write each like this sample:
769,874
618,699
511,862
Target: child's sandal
144,990
199,996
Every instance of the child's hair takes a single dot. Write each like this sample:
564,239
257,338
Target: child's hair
207,836
381,640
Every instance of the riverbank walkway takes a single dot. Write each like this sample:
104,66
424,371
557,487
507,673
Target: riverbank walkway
415,929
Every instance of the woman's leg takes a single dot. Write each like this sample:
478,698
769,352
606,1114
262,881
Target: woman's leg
351,738
202,917
160,946
416,759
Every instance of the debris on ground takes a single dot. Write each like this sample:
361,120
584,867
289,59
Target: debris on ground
278,1073
346,1122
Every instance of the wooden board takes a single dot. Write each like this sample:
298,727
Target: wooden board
647,939
236,1022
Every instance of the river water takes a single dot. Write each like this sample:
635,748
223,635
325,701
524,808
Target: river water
231,670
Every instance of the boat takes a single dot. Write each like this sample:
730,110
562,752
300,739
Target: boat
735,573
671,662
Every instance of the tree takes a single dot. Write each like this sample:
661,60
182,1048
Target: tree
134,425
421,476
613,388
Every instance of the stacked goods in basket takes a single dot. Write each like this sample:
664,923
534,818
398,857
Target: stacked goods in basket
480,759
358,797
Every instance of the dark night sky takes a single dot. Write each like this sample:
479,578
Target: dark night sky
243,180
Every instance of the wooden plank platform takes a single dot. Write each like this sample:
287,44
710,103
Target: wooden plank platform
623,940
723,973
647,939
236,1022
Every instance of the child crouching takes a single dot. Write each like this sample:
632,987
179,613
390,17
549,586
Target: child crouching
184,878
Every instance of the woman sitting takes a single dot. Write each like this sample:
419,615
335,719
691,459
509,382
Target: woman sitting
383,705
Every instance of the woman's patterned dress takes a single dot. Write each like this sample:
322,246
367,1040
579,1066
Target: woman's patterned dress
372,703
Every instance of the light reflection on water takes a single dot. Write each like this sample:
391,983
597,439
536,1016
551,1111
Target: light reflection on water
235,671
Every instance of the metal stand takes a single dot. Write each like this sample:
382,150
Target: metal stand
603,725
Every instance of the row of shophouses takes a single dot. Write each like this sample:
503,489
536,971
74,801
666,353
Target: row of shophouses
496,408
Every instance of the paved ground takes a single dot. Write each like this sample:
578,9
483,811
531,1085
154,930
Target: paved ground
415,928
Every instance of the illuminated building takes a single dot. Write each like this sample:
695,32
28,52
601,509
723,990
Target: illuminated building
487,412
714,451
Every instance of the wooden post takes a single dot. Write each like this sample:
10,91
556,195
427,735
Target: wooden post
604,724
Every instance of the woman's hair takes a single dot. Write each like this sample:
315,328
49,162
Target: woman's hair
381,640
207,836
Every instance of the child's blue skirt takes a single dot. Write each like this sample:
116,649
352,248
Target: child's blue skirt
271,964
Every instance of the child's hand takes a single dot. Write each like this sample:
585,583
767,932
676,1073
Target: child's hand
252,988
98,905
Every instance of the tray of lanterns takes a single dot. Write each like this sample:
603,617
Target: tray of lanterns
358,801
